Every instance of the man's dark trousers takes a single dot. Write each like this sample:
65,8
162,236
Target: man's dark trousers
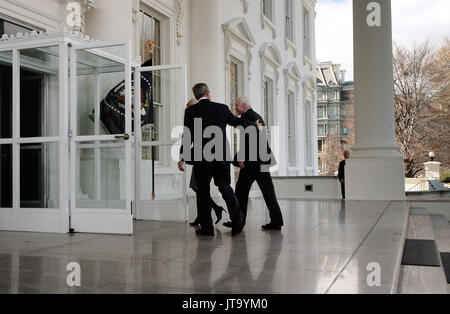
247,177
220,172
343,190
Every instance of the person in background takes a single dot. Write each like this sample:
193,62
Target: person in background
341,173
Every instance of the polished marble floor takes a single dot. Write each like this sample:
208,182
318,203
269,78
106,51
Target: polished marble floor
325,247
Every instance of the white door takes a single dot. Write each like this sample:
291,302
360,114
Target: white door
101,139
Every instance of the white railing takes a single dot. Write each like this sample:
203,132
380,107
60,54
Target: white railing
420,187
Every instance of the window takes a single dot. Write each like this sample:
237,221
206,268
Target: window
291,130
11,28
331,95
306,34
289,4
321,112
321,145
332,130
321,130
236,89
331,113
346,131
322,96
268,9
268,102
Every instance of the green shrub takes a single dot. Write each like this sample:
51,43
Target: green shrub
445,176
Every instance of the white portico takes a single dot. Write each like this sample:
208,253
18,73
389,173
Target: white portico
238,47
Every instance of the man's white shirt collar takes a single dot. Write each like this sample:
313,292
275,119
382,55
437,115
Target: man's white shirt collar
202,99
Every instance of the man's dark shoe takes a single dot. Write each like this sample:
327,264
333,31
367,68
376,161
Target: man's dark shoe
271,227
195,223
237,228
228,224
205,233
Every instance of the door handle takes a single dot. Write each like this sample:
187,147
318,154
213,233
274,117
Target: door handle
124,137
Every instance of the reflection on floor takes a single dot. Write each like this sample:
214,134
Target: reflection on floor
325,247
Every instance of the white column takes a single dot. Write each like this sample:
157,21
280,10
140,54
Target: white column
376,170
207,47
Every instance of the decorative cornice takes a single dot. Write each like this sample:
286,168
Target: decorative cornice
46,34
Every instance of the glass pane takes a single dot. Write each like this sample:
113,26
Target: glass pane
100,174
168,182
6,94
161,91
39,175
100,82
39,92
6,176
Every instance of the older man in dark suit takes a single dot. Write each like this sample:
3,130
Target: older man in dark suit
255,166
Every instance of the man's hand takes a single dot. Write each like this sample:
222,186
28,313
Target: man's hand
259,125
342,180
241,164
180,165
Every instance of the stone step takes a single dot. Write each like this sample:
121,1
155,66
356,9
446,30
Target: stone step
421,279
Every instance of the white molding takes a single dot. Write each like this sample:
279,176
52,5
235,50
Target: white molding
246,40
291,45
265,22
245,5
179,26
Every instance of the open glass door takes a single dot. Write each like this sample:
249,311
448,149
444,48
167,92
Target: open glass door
101,139
161,189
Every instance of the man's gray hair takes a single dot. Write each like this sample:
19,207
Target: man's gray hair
245,101
200,90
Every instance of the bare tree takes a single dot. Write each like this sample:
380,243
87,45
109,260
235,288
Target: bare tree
332,155
419,83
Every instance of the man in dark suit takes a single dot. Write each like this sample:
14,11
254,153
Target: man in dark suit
210,155
255,166
341,173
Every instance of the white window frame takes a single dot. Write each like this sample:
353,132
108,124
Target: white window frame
291,130
307,49
269,21
270,64
290,43
292,85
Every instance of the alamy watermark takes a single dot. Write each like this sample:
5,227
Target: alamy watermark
374,17
73,279
211,145
374,277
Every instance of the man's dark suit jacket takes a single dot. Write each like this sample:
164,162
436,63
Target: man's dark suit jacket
341,173
253,116
212,114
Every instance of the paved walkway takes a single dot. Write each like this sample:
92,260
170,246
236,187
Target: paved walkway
325,247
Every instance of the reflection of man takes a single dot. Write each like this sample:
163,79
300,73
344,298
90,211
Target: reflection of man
256,170
341,173
212,116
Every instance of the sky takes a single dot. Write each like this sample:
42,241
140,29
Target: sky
413,21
